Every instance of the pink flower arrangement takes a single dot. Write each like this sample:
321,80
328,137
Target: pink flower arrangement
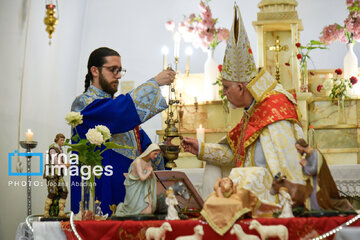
170,26
201,30
351,29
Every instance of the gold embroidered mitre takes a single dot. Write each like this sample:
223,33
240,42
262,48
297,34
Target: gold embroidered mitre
239,64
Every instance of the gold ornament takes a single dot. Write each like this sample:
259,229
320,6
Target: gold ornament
50,20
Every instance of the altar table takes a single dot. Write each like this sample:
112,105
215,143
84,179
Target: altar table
106,230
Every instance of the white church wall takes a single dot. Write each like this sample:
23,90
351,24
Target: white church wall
49,87
55,74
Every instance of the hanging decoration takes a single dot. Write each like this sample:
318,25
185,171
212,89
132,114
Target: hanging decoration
50,19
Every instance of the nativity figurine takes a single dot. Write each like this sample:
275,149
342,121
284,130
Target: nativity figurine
198,234
53,173
158,233
285,203
140,185
224,187
233,202
270,231
171,201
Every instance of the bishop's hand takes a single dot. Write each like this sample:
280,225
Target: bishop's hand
190,145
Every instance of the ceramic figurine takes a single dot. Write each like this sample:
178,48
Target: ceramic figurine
298,192
53,173
198,234
270,231
179,188
140,185
171,201
286,203
99,215
224,187
158,233
241,235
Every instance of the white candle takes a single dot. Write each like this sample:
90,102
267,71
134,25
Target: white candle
200,133
29,135
188,52
164,51
180,85
177,38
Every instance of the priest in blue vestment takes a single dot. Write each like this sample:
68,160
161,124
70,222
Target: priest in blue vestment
123,116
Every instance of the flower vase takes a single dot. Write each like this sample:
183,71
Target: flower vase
341,110
87,200
351,66
304,77
210,74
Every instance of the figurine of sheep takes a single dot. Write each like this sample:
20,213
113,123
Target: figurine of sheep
241,235
198,234
279,231
158,233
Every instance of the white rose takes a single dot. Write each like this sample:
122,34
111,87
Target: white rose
328,84
94,136
74,118
104,131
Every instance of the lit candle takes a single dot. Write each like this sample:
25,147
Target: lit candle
164,51
200,133
29,135
177,38
180,85
188,52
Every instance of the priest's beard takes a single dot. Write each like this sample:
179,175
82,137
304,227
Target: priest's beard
106,86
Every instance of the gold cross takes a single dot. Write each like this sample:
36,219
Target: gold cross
277,48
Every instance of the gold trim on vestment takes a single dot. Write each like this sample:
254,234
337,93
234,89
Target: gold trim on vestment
267,79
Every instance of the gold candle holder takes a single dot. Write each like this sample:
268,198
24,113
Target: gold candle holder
50,20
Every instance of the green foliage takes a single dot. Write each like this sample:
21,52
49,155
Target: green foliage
90,154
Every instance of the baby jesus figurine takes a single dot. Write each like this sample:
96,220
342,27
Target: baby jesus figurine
224,187
140,185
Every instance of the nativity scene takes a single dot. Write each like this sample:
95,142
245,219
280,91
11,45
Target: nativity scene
258,146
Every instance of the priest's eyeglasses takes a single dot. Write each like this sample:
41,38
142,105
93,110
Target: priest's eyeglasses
115,70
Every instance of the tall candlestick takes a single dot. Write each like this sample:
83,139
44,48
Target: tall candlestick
177,38
200,133
29,135
164,51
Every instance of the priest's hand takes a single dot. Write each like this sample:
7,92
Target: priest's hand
190,145
165,77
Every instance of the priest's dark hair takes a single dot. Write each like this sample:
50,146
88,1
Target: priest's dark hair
97,59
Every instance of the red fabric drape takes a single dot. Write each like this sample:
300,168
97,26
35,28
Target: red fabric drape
114,230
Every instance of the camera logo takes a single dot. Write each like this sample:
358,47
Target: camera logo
13,155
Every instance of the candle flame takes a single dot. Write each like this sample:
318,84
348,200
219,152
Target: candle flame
165,50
